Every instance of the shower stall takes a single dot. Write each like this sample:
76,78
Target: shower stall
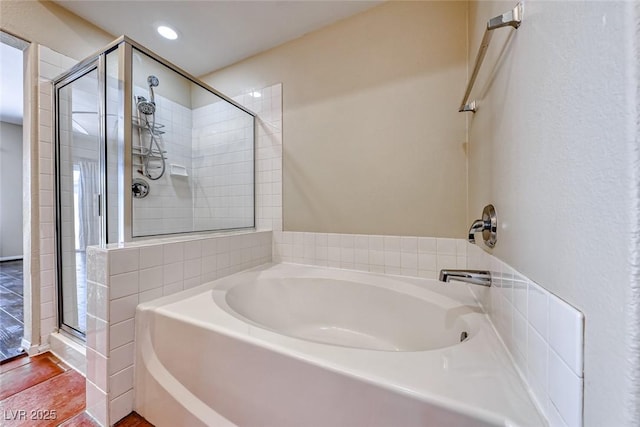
143,149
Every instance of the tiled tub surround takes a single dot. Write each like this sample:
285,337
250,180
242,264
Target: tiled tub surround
398,255
121,277
543,334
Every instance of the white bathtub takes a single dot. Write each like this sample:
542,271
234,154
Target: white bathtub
289,345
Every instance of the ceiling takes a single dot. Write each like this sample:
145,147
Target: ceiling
213,34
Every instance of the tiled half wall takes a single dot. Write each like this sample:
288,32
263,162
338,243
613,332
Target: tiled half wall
121,277
543,334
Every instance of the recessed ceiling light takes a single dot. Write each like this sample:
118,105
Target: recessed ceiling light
256,94
167,33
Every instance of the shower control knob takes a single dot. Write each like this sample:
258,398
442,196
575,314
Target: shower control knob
140,188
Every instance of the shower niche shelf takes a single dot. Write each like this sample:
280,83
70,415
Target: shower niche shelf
178,170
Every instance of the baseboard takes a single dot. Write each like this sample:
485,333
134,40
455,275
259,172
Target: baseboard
33,350
69,350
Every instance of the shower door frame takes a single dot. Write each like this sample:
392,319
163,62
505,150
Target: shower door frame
125,231
68,78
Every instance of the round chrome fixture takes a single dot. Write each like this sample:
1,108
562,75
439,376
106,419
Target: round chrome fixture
490,231
140,188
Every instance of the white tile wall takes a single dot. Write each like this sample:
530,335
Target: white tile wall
51,64
400,255
543,334
122,276
268,155
223,166
169,207
219,191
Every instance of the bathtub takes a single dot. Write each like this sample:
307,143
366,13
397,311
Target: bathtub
291,345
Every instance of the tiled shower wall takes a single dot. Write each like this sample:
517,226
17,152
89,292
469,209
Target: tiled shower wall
222,167
221,189
215,144
169,205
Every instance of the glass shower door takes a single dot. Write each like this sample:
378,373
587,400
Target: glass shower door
79,191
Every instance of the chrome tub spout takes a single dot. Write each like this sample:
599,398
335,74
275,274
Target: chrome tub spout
475,277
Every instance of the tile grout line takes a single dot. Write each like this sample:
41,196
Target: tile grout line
9,290
12,316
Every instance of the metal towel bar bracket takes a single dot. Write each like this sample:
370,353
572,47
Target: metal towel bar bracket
513,18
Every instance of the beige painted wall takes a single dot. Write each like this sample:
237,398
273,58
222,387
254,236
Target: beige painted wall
552,147
47,23
373,142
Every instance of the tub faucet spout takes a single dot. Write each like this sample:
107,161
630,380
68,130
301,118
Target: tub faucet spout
475,277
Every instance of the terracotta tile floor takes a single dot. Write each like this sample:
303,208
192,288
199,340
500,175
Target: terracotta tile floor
43,391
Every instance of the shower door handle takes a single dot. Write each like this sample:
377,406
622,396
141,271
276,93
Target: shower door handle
99,204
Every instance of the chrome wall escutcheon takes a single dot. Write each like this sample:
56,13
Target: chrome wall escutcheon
140,188
490,232
488,225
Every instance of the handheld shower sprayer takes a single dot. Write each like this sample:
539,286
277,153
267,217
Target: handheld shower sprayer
144,106
148,121
152,81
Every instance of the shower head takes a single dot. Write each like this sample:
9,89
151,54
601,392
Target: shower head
144,106
152,81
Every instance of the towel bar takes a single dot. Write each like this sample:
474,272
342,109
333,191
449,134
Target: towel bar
513,18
